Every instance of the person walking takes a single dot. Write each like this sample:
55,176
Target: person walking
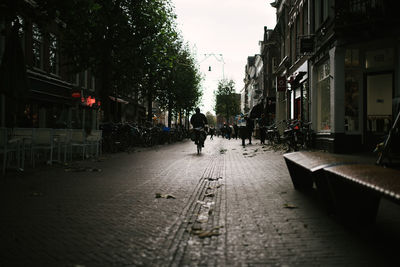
235,131
228,131
262,124
242,130
249,127
212,131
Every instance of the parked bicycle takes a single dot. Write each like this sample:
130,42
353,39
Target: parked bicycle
292,135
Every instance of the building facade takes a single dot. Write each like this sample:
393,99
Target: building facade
52,95
338,66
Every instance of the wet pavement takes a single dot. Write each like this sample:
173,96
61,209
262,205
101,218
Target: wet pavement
168,206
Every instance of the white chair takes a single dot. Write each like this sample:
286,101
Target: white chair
62,139
78,140
7,147
25,136
42,139
94,140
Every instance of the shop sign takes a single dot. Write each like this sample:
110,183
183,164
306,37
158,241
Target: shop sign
306,45
281,84
89,101
76,94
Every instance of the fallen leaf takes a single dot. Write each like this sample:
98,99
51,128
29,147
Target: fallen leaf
213,179
208,234
210,195
214,187
36,194
167,196
82,169
289,206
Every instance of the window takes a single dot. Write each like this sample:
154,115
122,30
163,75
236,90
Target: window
323,90
321,12
2,42
351,101
352,58
53,54
74,79
293,43
21,32
305,19
379,59
37,47
93,83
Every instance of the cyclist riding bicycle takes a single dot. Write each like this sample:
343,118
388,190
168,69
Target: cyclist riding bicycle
199,121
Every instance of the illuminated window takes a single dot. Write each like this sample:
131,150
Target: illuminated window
37,47
53,54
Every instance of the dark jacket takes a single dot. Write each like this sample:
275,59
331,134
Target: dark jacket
198,120
249,125
262,122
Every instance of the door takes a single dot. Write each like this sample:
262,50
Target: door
379,97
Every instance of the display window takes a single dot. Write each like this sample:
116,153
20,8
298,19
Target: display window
351,101
324,103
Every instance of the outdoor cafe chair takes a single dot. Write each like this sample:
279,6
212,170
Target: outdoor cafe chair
62,139
94,140
78,140
7,146
42,140
24,138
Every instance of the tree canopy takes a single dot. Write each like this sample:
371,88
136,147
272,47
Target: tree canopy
133,47
227,103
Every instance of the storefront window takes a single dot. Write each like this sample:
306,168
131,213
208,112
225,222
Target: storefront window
305,110
352,58
324,106
351,103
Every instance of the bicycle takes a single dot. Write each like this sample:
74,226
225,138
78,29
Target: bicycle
292,135
200,137
308,135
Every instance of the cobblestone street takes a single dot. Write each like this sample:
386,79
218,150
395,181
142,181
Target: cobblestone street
168,206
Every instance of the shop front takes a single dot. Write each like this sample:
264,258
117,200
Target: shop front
356,95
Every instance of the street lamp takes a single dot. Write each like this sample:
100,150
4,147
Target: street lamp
219,58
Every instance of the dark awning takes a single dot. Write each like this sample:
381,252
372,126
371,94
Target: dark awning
256,111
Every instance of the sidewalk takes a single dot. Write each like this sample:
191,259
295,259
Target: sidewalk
167,206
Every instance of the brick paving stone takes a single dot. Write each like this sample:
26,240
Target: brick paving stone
50,217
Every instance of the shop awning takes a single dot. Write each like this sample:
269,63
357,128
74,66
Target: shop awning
256,111
119,100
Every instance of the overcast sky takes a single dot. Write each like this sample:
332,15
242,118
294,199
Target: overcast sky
232,28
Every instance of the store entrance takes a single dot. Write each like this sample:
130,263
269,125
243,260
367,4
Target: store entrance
379,97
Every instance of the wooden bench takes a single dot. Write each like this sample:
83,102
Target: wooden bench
356,190
305,167
347,185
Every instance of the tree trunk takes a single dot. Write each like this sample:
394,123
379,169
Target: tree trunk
169,116
187,120
105,86
149,106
